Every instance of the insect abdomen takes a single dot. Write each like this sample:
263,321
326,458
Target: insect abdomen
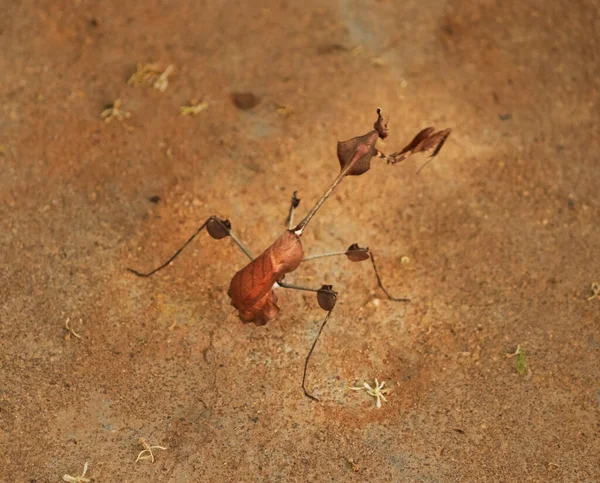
251,289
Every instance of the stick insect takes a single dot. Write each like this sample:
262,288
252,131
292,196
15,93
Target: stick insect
252,289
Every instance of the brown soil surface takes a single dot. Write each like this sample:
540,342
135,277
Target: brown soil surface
502,234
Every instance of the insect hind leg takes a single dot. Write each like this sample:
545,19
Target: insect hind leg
357,254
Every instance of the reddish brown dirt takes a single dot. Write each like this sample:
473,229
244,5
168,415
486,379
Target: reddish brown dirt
501,231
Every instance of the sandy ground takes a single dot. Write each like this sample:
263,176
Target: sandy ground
501,232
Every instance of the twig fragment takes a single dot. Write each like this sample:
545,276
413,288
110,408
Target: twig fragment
194,107
147,449
162,82
78,479
515,353
595,288
70,330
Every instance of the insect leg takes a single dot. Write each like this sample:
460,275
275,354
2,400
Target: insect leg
326,298
306,393
216,227
358,254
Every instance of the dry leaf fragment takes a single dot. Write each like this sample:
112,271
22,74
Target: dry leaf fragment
145,74
424,141
360,150
362,147
245,100
151,75
331,48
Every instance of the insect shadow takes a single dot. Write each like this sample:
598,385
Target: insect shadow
252,289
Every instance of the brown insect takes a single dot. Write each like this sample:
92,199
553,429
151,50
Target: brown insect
252,288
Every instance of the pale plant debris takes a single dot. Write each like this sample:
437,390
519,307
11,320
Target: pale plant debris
151,75
146,453
405,260
379,61
515,353
377,391
595,288
70,330
521,363
145,74
78,479
353,464
283,110
162,82
194,107
113,111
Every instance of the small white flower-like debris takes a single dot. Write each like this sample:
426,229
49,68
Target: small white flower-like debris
152,75
595,288
78,479
193,108
146,453
114,112
377,392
